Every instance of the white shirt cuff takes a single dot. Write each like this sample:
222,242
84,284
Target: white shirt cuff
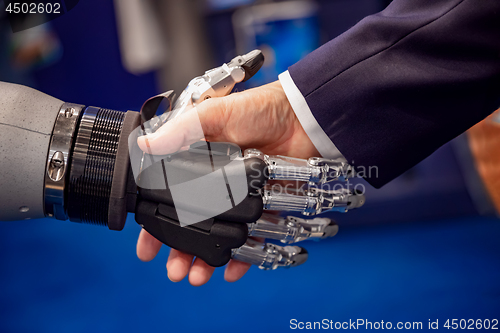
320,140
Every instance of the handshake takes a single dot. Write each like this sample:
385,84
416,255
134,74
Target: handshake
205,198
187,185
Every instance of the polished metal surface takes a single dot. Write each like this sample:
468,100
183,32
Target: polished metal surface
217,82
83,140
280,200
58,158
315,170
292,229
311,201
92,166
332,169
269,256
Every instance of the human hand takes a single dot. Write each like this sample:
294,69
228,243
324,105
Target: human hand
260,118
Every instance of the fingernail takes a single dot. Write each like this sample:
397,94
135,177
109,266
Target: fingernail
170,278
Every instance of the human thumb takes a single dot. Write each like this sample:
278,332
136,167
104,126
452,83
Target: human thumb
183,130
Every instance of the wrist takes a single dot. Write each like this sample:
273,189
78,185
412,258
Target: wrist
322,143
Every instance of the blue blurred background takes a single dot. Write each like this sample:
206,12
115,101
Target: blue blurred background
418,250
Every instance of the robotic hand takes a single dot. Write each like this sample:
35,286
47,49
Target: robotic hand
287,230
82,163
261,171
216,82
225,235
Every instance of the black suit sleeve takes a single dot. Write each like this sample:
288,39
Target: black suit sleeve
403,82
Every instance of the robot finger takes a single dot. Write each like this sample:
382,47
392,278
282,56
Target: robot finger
269,256
292,229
